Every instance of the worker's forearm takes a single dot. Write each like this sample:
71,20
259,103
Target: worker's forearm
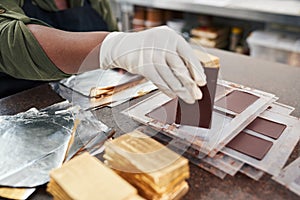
71,52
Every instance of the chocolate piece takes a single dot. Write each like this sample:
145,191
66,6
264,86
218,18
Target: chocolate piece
250,145
198,114
237,101
212,78
267,127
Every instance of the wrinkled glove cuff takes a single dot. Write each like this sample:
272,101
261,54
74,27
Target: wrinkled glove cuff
106,47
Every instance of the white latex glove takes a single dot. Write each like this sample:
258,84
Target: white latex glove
160,55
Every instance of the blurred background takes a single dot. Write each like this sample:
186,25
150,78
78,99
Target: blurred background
268,29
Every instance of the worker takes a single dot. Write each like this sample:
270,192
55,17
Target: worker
48,40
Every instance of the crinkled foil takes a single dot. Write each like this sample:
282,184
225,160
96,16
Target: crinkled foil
89,133
38,172
77,88
83,83
26,139
34,142
118,98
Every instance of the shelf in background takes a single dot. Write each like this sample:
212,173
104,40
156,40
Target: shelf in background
269,11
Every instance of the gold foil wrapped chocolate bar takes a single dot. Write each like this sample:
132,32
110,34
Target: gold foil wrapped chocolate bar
156,171
85,178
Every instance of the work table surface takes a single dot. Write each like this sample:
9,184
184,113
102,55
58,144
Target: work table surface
282,80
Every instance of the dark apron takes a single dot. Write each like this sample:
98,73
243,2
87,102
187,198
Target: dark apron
83,18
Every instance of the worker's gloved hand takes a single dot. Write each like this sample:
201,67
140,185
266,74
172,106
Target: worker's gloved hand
160,55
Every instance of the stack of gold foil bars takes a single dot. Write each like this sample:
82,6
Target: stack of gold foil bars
156,171
86,178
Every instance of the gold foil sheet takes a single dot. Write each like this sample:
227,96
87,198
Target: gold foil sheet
85,177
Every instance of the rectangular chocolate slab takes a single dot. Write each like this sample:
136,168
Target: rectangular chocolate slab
250,145
237,101
267,127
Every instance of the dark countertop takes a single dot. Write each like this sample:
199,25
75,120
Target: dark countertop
282,80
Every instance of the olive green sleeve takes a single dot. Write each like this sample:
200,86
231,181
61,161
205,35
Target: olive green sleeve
21,54
104,9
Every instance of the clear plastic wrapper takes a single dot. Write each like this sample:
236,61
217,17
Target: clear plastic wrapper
290,176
